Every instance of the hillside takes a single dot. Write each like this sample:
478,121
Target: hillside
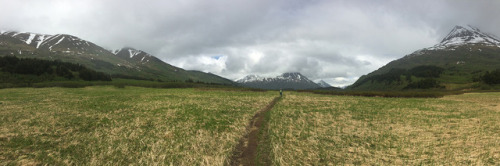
123,63
458,61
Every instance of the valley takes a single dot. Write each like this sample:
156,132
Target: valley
68,101
249,82
106,125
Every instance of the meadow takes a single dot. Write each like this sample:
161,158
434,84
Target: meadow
105,125
109,125
330,130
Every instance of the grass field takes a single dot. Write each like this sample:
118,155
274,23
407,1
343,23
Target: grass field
322,130
121,126
106,125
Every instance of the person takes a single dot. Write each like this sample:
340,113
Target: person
281,92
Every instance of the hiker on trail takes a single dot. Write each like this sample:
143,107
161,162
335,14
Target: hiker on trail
281,92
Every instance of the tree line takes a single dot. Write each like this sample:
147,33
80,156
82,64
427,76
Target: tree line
38,67
429,74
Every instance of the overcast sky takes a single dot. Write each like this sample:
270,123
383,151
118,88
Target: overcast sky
334,40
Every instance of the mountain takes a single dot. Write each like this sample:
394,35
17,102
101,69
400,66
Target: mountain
323,84
457,62
466,35
122,63
294,81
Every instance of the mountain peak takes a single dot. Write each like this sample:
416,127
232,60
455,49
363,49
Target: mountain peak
250,78
134,55
462,35
296,75
130,52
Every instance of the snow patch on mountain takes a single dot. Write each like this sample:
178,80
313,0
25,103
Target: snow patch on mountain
60,40
462,35
50,38
133,53
30,38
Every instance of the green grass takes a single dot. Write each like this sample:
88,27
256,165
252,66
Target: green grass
336,130
105,125
108,125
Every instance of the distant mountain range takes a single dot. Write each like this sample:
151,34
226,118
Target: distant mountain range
457,62
295,81
122,63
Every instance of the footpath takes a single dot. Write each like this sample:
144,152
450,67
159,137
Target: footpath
251,143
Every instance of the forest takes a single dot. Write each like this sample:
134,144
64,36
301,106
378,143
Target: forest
15,69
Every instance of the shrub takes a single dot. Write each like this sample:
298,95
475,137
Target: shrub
491,78
427,83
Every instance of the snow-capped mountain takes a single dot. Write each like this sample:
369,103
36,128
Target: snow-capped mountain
123,63
58,42
251,78
323,84
27,37
464,55
283,81
462,35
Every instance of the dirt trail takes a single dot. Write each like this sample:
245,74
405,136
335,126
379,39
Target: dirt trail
246,151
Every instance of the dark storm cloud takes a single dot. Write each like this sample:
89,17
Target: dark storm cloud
335,40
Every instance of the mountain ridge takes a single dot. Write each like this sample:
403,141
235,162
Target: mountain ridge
289,80
73,49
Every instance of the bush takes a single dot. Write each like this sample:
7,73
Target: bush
427,83
426,71
491,78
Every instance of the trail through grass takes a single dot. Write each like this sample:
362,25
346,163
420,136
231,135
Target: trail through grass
247,152
121,126
104,125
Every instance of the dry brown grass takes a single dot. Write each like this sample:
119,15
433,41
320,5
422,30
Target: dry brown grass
111,126
331,130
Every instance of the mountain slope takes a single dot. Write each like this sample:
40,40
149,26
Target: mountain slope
125,63
294,81
323,84
151,64
464,55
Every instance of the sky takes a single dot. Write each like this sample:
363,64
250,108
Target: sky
334,40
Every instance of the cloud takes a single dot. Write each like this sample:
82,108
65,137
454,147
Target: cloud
322,39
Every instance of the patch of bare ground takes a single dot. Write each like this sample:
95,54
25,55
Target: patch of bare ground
247,148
